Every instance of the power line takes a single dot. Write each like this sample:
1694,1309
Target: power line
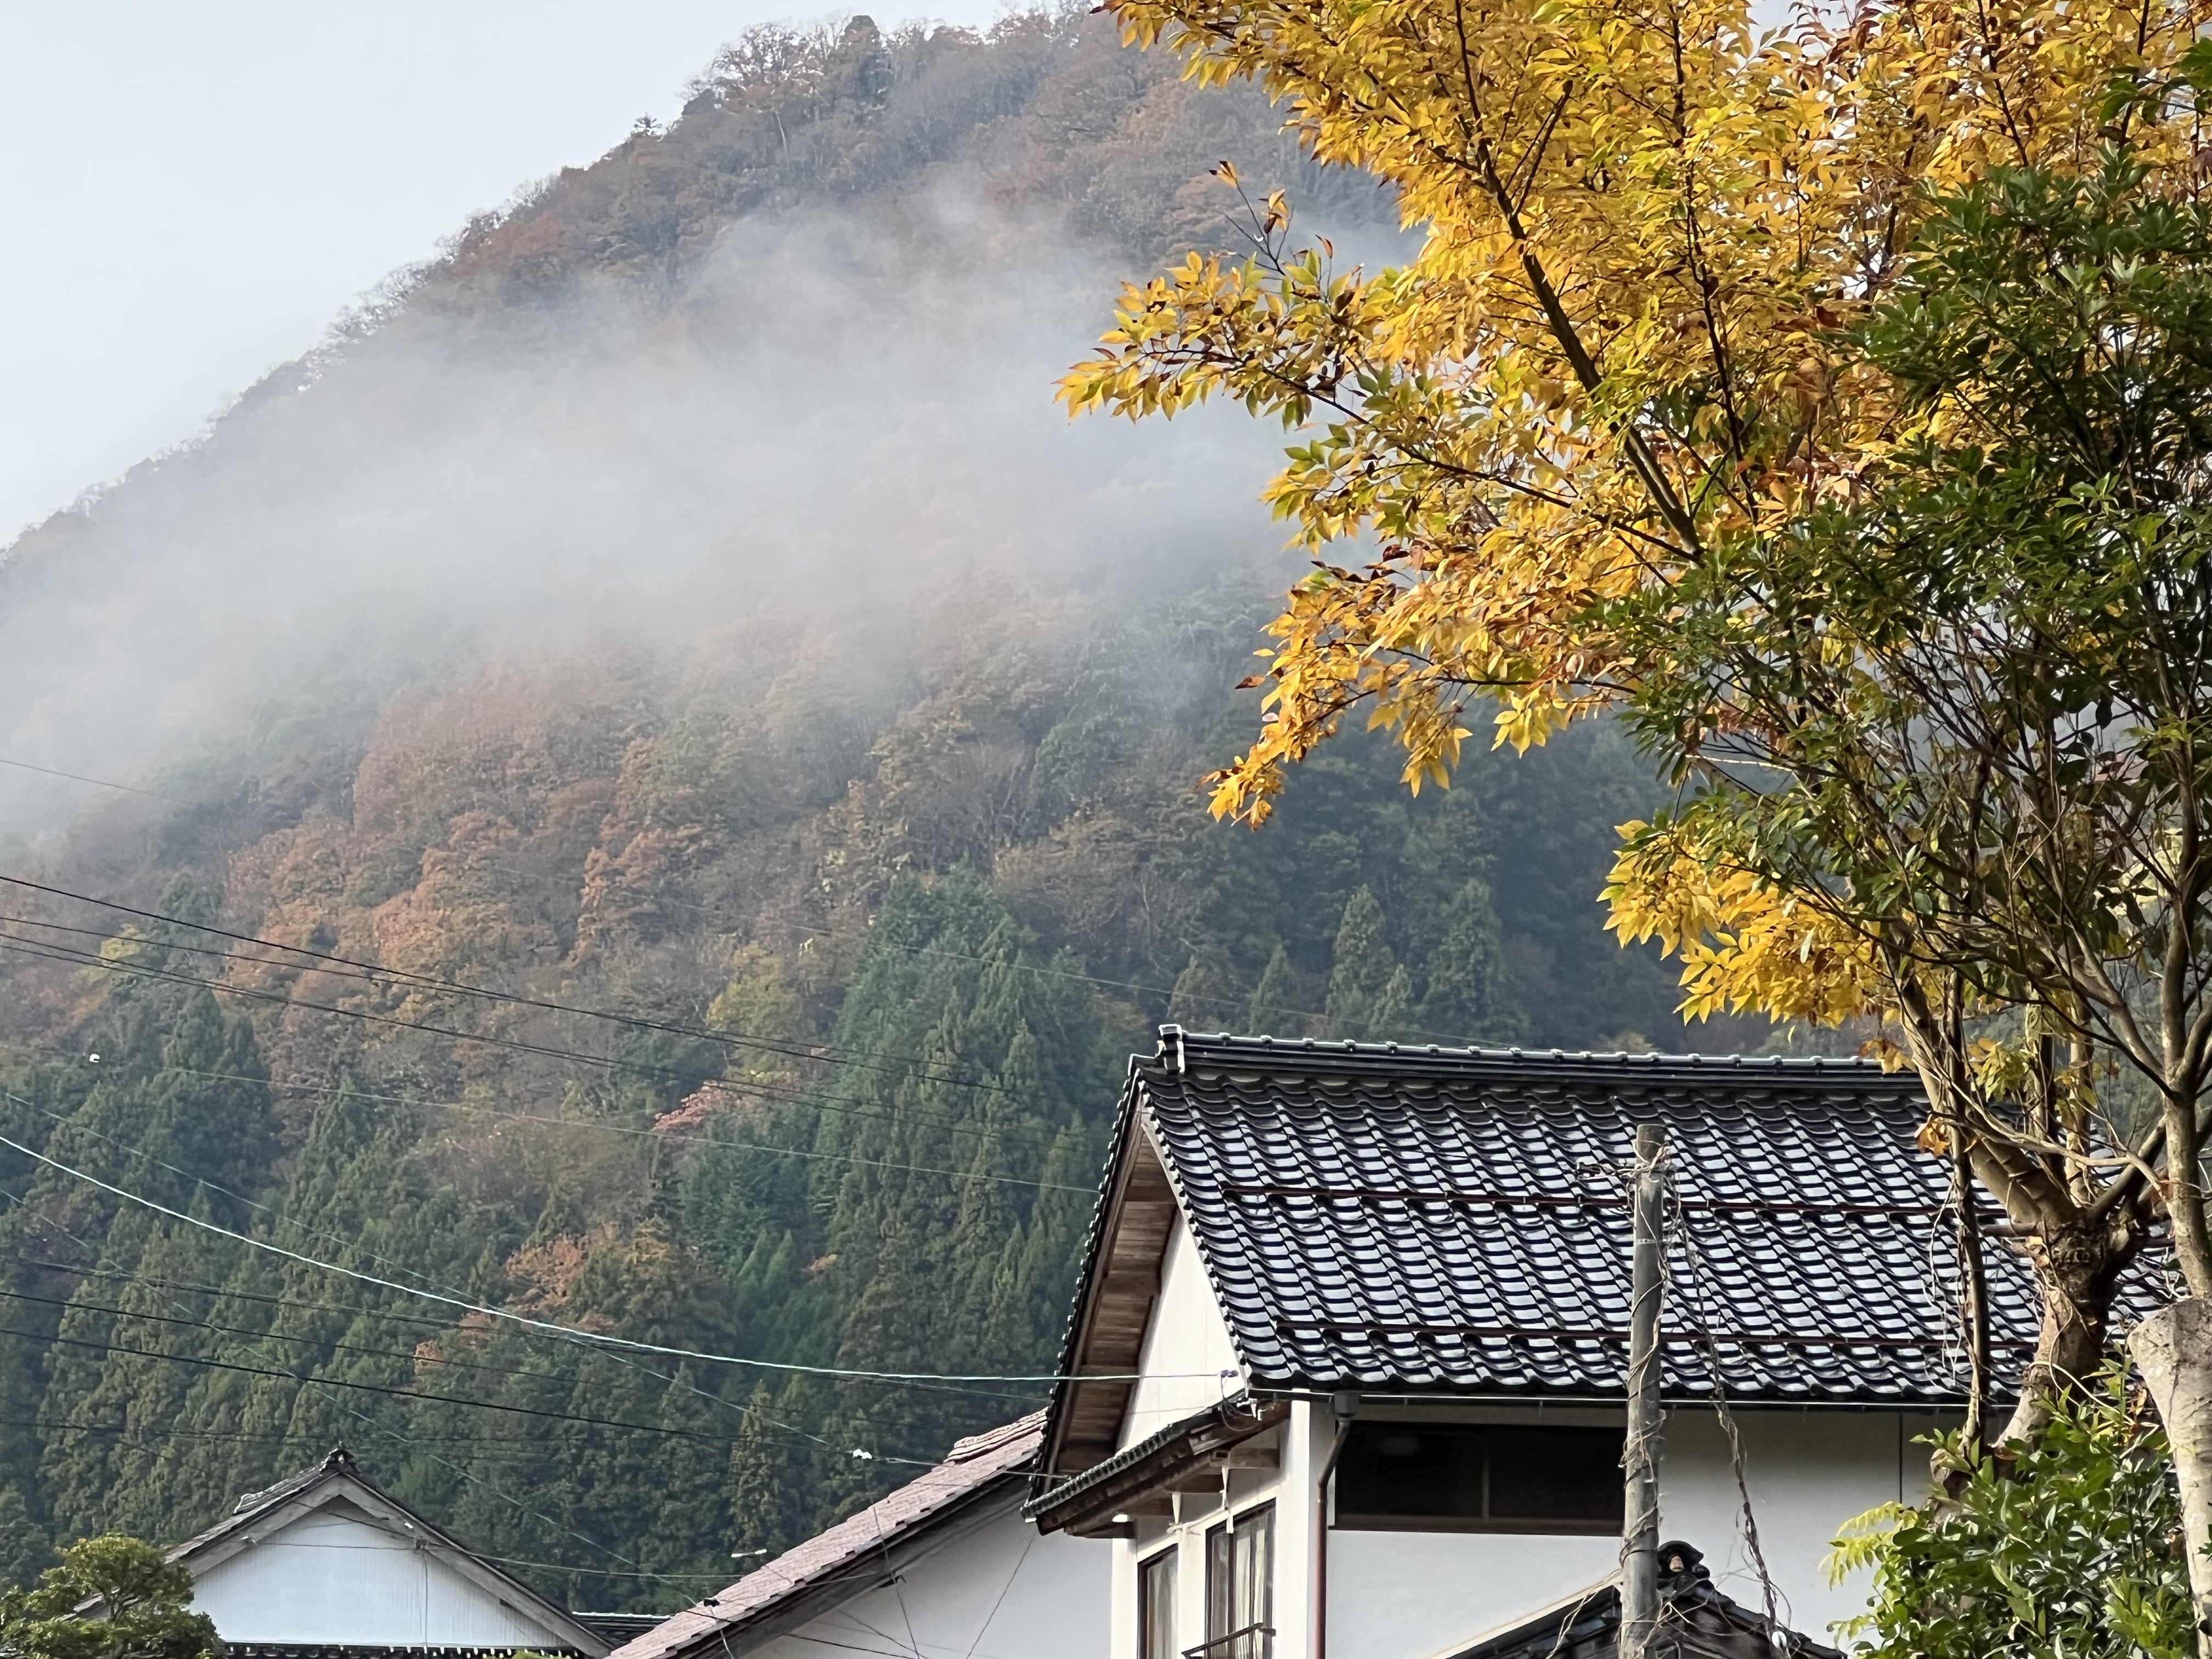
79,777
416,1443
363,1387
535,1442
612,1128
420,1320
568,1333
508,1498
608,1339
47,950
828,926
332,1344
736,1040
633,1363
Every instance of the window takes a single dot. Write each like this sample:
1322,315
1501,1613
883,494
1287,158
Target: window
1480,1477
1155,1606
1240,1590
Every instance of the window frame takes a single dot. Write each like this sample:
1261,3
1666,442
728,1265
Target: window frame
1554,1527
1164,1565
1255,1638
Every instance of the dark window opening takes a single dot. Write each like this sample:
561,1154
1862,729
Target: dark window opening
1240,1589
1480,1477
1155,1606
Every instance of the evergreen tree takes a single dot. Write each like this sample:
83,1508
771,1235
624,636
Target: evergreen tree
762,1501
1278,997
25,1548
1361,967
1472,997
1206,997
1391,1018
143,1598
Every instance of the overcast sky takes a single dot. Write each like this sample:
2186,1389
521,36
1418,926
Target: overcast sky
191,192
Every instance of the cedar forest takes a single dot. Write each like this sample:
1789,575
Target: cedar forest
880,910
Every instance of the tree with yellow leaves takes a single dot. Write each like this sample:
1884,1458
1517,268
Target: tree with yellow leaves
1682,409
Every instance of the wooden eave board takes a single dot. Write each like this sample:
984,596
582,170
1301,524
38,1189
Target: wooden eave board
1124,1289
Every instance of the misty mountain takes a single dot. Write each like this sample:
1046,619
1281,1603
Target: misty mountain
658,783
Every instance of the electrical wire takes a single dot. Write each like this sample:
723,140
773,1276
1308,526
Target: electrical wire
438,1364
48,950
598,1127
569,1332
828,926
455,987
600,1337
359,1386
317,1233
607,1550
79,777
417,1444
422,1321
535,1442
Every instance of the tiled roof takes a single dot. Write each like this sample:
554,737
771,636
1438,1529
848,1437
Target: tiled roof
971,1468
1696,1621
1375,1217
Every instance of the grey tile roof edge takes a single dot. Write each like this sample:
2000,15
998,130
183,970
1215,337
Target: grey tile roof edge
1595,1611
1130,1456
1181,1051
1675,1398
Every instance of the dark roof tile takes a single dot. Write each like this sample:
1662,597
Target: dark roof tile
1376,1217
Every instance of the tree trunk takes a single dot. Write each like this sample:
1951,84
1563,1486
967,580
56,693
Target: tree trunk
2076,1267
2173,1349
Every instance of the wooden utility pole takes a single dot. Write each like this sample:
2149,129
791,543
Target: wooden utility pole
1639,1457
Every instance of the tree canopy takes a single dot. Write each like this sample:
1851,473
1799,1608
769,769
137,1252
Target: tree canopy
1824,399
110,1597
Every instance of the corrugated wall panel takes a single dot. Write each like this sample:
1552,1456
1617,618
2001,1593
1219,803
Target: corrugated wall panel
337,1575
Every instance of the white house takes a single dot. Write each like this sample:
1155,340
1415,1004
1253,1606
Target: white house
326,1563
944,1568
1351,1331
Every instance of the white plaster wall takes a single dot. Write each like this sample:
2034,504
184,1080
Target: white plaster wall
1186,1364
1409,1595
337,1575
1413,1595
995,1590
1808,1472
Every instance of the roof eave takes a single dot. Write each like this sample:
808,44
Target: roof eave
809,1598
1134,1175
1085,1504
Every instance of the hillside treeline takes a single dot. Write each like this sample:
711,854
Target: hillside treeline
759,991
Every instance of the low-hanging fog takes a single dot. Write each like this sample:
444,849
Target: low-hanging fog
829,407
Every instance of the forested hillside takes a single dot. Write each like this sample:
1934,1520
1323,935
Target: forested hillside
661,788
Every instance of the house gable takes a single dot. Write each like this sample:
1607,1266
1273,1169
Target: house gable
1188,1361
339,1575
326,1559
965,1510
1113,1312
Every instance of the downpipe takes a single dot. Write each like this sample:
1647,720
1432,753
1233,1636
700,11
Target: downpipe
1344,1407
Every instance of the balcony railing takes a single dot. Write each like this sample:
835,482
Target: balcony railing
1253,1642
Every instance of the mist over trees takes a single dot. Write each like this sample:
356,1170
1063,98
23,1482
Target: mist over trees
681,602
